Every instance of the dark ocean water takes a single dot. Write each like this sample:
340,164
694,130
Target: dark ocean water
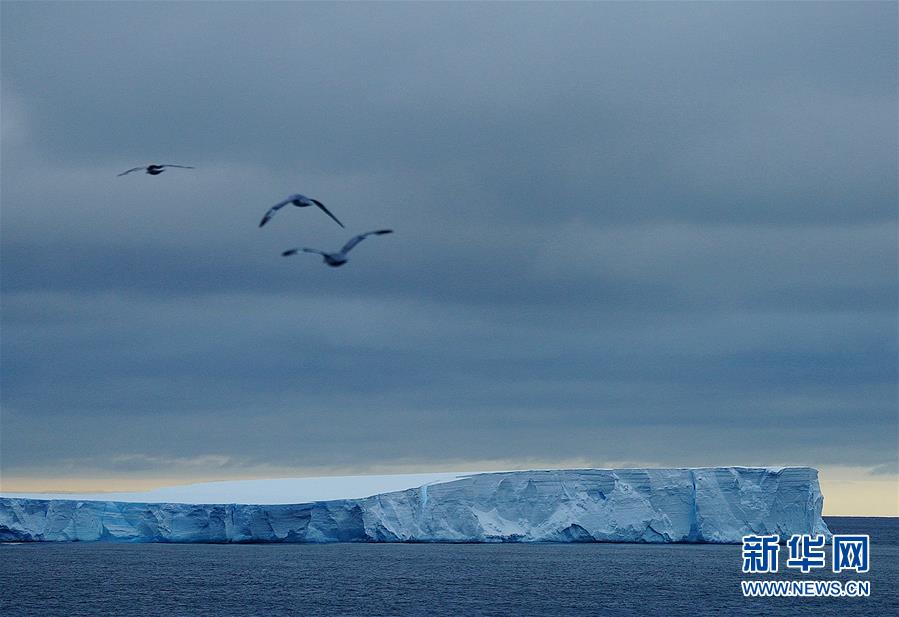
94,579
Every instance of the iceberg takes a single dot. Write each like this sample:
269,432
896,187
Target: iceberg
719,505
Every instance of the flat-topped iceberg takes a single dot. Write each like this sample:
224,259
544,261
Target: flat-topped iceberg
582,505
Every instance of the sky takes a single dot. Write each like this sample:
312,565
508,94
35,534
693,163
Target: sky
657,234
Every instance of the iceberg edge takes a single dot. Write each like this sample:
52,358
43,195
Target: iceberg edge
702,505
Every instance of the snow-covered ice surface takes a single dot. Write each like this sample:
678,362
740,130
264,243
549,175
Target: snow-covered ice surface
719,504
275,491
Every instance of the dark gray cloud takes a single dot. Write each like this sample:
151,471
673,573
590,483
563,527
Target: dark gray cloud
647,232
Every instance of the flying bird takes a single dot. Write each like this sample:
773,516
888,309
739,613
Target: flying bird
338,259
154,170
300,201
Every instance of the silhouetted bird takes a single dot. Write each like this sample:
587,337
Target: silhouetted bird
339,258
300,201
154,170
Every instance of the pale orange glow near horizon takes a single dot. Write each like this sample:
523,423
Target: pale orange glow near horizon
850,493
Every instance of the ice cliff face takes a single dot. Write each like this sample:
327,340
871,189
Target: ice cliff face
588,505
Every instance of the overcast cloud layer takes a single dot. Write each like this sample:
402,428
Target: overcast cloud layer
658,233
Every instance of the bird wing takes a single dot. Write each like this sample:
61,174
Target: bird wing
357,239
326,211
181,166
271,211
290,252
130,170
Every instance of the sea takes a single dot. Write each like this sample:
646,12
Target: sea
515,580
